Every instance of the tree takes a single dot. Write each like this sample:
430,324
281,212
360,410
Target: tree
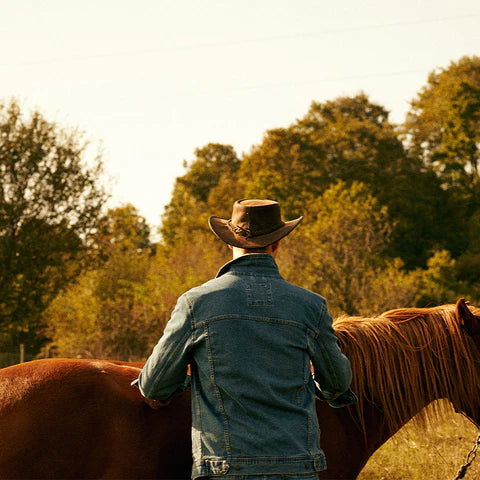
443,124
442,129
73,321
119,310
285,167
439,284
106,313
175,269
50,203
119,284
121,295
121,229
110,314
347,139
209,182
339,253
350,139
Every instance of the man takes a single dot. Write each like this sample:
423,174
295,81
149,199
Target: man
251,338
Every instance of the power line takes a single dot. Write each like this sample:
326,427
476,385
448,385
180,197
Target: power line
333,79
233,43
291,84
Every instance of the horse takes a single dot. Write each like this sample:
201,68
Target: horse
72,418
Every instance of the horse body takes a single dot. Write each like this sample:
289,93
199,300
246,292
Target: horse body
82,419
62,418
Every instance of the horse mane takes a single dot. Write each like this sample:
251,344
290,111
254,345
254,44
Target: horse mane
404,359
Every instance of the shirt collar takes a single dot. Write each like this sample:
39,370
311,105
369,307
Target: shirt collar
250,260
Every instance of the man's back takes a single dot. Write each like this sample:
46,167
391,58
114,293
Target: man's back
252,335
250,338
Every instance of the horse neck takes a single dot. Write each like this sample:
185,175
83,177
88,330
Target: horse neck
374,426
394,382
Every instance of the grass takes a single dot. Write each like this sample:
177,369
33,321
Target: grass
436,453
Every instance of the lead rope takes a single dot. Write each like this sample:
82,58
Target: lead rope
470,458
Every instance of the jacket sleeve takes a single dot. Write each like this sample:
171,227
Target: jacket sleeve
333,374
165,372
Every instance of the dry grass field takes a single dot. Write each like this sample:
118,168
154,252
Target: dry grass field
432,454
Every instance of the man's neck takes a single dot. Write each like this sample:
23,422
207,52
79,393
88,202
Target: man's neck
240,252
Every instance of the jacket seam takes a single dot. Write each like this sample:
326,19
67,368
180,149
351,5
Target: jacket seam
329,364
191,315
174,352
259,274
260,319
218,394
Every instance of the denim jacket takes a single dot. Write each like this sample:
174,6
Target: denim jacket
249,337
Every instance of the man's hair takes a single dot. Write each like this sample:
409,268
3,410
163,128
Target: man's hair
257,250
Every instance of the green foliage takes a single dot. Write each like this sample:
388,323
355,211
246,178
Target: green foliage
338,253
73,321
443,130
391,286
174,270
439,284
281,168
50,201
385,226
121,228
446,279
468,263
107,316
355,140
212,162
121,291
350,139
106,313
120,309
210,181
443,126
110,311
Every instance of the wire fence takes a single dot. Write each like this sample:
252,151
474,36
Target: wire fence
19,356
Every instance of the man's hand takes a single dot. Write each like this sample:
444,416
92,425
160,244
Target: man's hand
345,399
156,404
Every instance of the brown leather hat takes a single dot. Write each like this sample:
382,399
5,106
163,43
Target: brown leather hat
255,223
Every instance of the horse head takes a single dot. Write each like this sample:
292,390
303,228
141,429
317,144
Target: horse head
469,320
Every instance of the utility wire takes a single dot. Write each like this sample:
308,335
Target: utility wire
232,43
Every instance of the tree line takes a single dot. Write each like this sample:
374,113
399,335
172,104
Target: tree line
392,219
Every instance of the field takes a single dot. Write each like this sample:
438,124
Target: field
433,454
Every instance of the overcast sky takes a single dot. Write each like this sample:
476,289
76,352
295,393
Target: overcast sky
153,80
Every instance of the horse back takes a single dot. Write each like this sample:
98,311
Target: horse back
62,418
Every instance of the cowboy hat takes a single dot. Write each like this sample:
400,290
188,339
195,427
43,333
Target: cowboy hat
255,223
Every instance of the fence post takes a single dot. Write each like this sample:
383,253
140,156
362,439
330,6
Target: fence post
22,353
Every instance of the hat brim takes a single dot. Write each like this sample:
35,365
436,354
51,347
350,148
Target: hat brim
222,230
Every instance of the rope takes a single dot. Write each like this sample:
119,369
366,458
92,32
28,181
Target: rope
470,458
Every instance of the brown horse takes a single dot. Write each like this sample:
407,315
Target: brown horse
82,419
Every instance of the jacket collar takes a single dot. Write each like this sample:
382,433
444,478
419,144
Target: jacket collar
251,260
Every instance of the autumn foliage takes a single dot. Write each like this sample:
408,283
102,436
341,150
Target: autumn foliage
392,215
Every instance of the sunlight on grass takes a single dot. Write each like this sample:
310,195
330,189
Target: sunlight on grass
432,454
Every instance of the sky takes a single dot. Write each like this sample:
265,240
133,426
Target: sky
152,80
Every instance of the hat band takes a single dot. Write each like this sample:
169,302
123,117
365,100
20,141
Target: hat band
239,230
246,233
